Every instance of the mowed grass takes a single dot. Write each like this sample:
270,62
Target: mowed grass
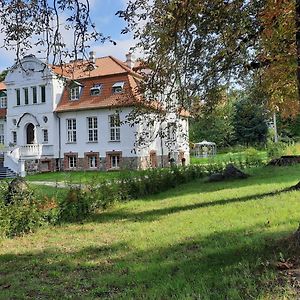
80,176
226,157
198,241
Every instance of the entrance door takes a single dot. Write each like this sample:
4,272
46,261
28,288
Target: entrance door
30,133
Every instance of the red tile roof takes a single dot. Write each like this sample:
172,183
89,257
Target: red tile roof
106,97
103,66
2,86
2,112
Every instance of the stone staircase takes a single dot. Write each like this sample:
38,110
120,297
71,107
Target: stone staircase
7,173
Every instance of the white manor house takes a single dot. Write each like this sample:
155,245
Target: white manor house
66,118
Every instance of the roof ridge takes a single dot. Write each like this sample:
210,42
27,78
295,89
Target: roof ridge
124,66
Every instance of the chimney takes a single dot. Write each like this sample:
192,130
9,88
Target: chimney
130,60
92,56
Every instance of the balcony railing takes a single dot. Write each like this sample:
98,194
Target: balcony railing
36,150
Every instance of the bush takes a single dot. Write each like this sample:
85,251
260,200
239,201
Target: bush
252,158
275,150
293,149
75,206
21,215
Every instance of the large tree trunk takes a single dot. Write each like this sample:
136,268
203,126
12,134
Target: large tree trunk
297,187
298,43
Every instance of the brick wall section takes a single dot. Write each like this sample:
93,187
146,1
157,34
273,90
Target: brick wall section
66,161
50,162
86,160
107,158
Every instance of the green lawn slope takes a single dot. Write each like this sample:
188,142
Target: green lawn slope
198,241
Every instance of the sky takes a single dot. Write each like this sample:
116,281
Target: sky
103,15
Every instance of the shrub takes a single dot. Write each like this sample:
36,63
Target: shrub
252,157
75,206
275,150
292,149
21,215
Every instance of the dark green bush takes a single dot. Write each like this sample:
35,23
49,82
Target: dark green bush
75,206
21,215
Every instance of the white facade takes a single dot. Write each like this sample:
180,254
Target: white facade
38,138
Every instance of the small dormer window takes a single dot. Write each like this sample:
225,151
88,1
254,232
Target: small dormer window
96,90
75,91
3,100
118,87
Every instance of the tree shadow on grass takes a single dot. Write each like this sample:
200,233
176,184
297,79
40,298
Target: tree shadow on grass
151,215
260,176
222,265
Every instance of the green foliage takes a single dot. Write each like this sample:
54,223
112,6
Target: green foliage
275,150
3,75
214,125
250,122
248,158
21,215
198,241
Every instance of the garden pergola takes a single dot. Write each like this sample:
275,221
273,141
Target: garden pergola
205,149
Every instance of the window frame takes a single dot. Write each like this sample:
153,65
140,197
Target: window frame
45,136
43,93
114,128
14,137
34,94
3,102
117,160
118,87
92,158
74,96
2,134
72,161
92,126
26,95
96,87
71,130
18,96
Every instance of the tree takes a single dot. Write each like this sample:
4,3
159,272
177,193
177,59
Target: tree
2,75
214,122
39,24
250,122
198,45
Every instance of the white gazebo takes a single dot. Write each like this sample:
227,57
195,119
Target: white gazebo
205,149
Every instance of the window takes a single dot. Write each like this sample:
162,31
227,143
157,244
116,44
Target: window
14,137
18,95
26,95
3,102
43,93
96,90
114,123
34,94
1,133
118,87
74,93
115,161
72,162
92,161
45,135
92,129
71,130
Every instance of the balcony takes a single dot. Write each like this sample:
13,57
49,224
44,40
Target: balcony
35,151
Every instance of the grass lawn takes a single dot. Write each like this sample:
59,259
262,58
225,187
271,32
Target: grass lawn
79,176
225,157
198,241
